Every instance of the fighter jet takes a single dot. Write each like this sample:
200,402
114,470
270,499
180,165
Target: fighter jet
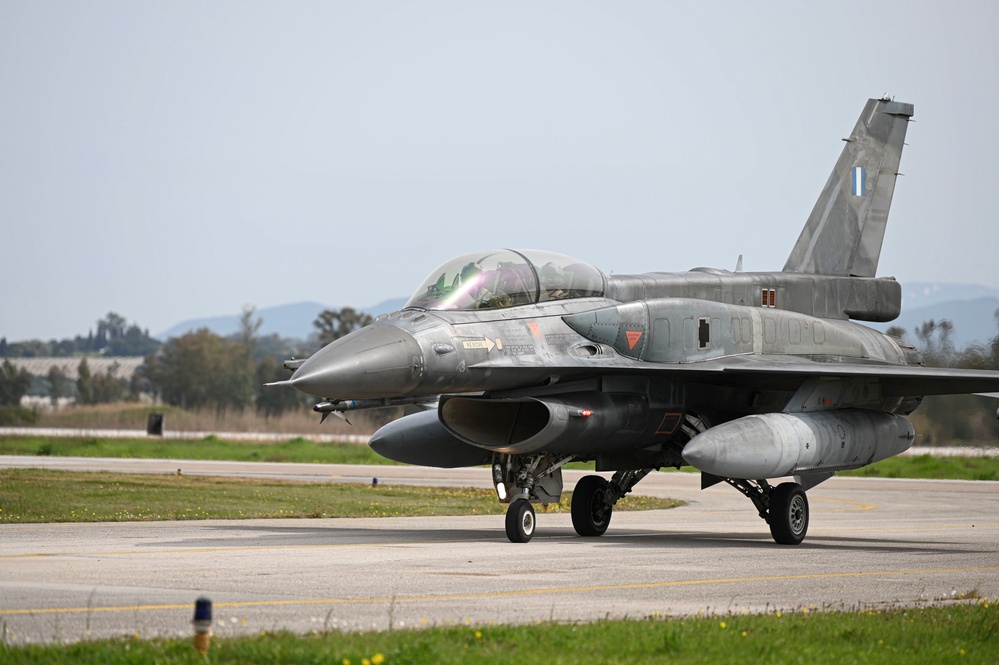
527,360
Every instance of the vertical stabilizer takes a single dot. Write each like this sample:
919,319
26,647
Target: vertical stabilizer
843,234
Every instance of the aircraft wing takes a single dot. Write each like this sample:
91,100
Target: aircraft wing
774,372
895,380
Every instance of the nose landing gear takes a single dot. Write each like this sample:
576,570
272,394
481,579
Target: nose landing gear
522,479
520,521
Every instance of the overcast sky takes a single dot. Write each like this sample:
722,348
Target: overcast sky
181,159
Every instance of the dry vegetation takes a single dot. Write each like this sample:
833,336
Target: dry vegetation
128,415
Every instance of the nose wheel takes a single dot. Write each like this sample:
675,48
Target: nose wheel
520,521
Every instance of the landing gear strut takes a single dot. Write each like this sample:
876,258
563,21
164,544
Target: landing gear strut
785,507
519,480
594,498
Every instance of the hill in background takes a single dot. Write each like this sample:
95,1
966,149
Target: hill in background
970,307
293,320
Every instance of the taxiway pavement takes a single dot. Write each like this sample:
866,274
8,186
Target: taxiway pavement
871,543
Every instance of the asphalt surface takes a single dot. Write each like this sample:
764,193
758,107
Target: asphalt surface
871,543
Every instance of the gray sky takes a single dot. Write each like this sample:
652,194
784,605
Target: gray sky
181,159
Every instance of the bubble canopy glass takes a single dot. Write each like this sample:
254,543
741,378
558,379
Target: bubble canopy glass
507,278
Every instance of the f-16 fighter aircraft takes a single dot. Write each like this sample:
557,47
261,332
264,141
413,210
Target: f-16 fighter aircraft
527,360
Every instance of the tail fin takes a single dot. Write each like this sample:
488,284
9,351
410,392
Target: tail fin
843,235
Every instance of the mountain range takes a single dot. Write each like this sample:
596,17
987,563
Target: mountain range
970,307
294,320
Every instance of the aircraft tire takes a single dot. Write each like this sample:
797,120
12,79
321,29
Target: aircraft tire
590,513
520,521
788,515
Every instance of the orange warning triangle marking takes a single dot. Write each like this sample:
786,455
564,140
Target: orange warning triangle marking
633,337
533,325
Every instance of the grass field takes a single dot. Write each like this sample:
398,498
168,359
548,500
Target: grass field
929,467
211,448
965,633
130,415
305,451
32,495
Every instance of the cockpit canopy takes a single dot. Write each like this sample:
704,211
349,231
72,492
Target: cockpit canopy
507,278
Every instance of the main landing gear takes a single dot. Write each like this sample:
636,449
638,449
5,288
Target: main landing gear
785,507
522,479
788,517
594,498
592,506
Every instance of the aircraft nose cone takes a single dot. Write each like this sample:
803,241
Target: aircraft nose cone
373,362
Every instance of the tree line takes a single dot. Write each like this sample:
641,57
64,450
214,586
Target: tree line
204,370
941,419
87,388
114,337
200,369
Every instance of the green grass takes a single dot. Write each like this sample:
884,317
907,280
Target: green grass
31,495
966,633
210,448
924,467
930,467
305,451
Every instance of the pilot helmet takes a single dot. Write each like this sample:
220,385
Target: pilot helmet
469,272
552,276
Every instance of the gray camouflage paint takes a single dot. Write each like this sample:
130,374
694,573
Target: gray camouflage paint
744,375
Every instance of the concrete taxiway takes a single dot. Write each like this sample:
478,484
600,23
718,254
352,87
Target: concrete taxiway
871,543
